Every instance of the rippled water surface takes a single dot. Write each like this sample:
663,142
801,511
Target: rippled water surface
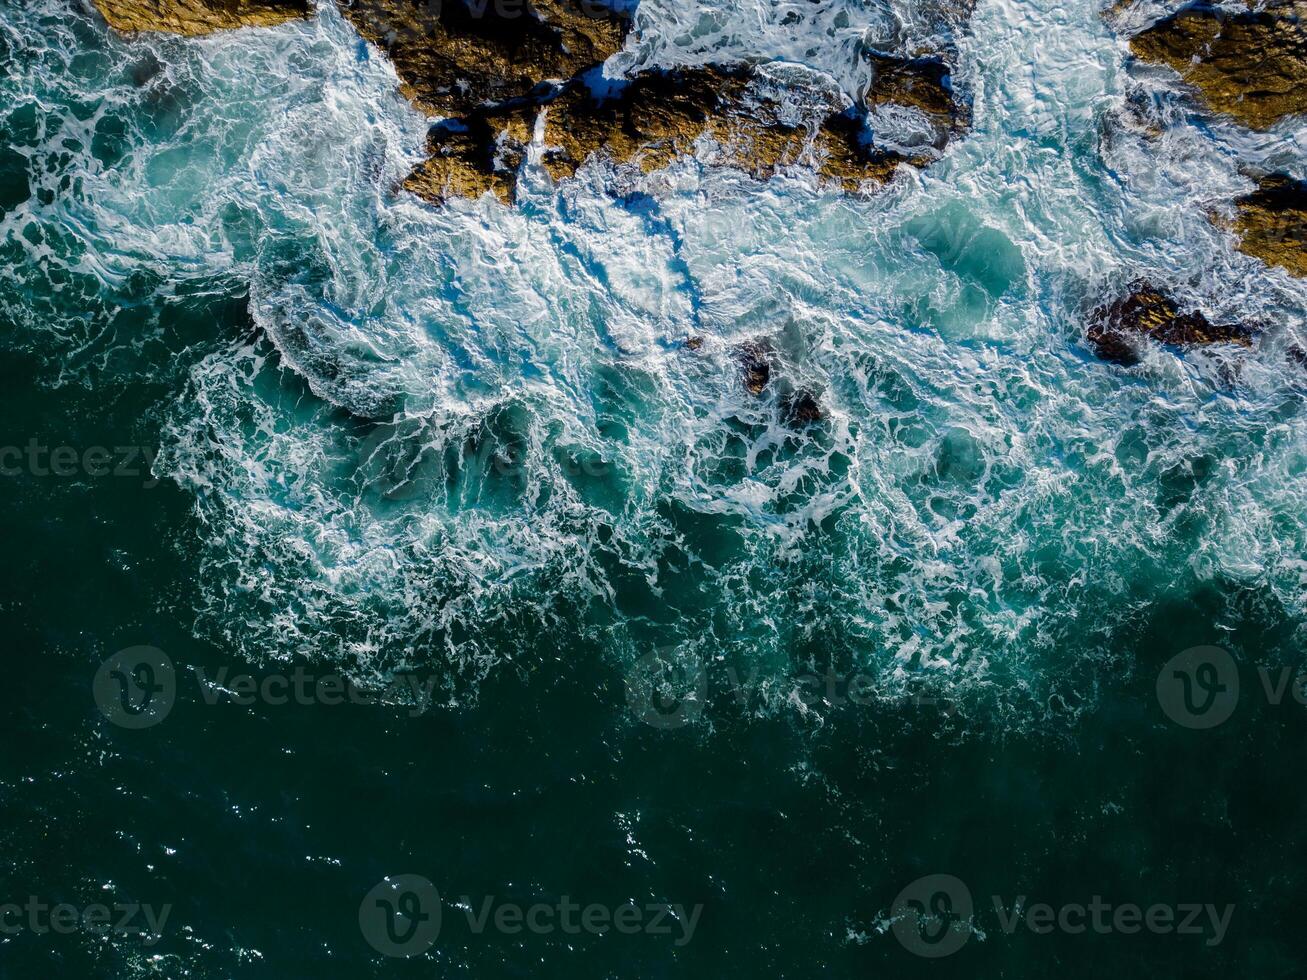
470,441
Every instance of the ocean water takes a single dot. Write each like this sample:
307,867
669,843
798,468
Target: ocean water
469,442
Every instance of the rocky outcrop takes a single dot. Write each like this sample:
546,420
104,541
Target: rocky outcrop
471,157
659,115
1250,65
490,69
1271,223
196,17
453,56
1117,331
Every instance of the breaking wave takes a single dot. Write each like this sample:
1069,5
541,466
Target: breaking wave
454,428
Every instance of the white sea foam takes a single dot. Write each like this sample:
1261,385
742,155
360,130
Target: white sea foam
981,486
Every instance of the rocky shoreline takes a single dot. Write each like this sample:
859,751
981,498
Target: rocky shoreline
500,77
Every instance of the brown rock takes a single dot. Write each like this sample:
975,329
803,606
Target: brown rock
660,115
1272,223
483,153
455,55
1252,65
1117,330
196,17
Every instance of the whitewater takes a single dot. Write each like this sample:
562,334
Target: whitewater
446,428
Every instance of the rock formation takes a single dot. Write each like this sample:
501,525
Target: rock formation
660,115
455,55
1117,330
196,17
488,69
1250,65
1271,223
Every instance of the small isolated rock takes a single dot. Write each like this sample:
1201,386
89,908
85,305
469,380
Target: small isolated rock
1116,331
693,343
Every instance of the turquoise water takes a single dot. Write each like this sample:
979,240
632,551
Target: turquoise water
469,443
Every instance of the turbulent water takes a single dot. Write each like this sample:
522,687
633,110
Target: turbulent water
449,422
471,440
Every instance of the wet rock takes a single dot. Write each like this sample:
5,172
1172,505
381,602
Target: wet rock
494,65
800,408
197,17
453,56
1250,65
693,343
472,157
1117,331
1271,223
660,115
755,357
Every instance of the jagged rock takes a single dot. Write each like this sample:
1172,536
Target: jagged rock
493,65
693,343
196,17
473,157
1116,331
1272,223
660,115
755,358
1251,65
455,55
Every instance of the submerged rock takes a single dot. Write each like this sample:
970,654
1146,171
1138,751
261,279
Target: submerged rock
196,17
800,408
1250,65
1116,331
1271,223
755,357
